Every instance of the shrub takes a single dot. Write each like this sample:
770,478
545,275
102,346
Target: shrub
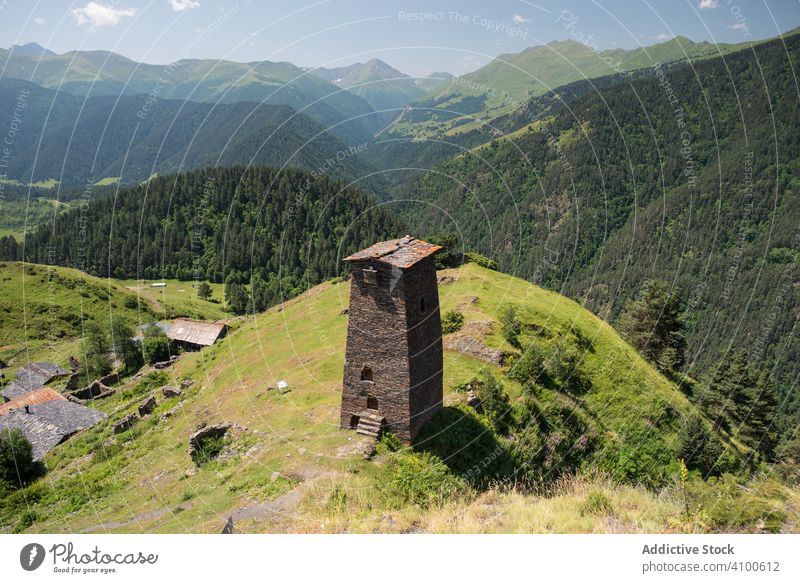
529,369
16,458
482,260
420,478
494,400
510,325
698,447
155,345
640,456
209,449
452,322
598,504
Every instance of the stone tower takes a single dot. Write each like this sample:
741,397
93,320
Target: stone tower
393,361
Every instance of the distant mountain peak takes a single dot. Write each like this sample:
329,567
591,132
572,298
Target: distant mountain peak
32,49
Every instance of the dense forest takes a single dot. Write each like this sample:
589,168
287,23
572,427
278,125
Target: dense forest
287,228
688,175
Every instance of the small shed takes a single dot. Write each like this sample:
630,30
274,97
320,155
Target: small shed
195,334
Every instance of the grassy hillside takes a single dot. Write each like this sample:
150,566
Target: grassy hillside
43,309
288,467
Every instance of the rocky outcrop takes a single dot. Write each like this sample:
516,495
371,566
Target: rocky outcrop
473,347
469,341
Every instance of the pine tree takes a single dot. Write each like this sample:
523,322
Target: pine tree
654,325
204,291
237,298
759,428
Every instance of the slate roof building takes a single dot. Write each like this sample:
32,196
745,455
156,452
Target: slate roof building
194,334
28,398
37,374
50,422
393,359
13,390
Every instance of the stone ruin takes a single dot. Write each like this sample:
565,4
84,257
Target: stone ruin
94,390
125,423
169,392
146,407
205,432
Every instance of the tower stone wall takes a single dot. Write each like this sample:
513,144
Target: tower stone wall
393,359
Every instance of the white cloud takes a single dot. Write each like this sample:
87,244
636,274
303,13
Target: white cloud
38,20
181,5
738,26
708,4
519,19
663,36
96,14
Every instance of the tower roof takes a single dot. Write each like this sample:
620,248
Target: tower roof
402,253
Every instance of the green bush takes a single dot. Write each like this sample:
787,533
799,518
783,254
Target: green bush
494,400
510,325
420,478
155,345
209,449
597,504
452,321
16,458
640,456
529,368
698,447
481,260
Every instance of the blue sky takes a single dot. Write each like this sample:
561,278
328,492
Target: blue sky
417,37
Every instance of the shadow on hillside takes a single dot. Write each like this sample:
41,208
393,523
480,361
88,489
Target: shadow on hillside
466,446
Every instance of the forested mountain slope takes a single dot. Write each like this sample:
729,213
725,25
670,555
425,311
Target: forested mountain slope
289,227
688,176
74,141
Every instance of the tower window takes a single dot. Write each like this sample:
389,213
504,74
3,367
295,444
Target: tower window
372,403
370,276
366,374
422,307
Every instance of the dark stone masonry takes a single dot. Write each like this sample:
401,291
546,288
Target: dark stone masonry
393,360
